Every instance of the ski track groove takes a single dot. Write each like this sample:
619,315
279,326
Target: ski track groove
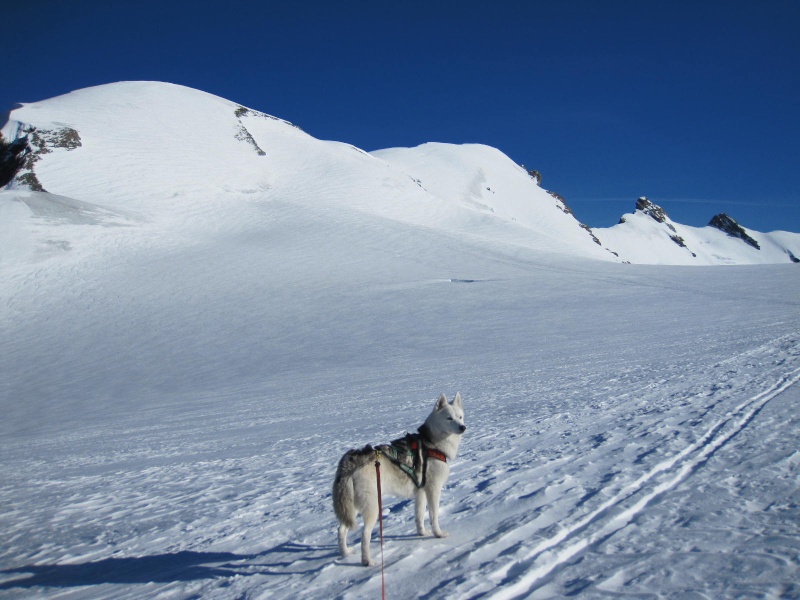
510,586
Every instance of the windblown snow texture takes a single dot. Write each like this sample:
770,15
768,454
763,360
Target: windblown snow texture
192,334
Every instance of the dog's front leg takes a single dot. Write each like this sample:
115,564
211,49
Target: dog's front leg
419,511
433,494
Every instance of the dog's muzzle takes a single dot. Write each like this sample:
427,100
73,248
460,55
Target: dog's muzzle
462,428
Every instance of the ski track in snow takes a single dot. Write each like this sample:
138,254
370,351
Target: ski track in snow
677,469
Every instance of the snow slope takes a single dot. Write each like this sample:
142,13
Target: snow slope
180,375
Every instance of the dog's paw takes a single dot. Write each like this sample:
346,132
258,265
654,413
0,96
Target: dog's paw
346,552
368,562
440,534
423,532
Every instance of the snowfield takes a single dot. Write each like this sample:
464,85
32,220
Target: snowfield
184,362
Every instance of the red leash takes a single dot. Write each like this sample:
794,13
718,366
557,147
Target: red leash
380,520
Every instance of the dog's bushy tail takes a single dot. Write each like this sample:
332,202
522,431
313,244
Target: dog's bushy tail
343,493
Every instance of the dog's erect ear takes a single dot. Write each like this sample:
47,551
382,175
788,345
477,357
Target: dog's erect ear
457,400
441,402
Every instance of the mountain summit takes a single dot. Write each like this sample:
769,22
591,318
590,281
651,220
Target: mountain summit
151,151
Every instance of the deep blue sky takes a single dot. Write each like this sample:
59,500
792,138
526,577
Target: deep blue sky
695,104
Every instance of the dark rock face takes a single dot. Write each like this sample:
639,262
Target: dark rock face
19,157
678,240
533,174
243,135
654,211
12,158
588,229
727,225
561,204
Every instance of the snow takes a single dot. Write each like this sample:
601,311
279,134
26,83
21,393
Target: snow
181,373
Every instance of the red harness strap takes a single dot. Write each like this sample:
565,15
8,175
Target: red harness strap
437,454
430,452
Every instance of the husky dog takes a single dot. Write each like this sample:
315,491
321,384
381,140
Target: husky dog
414,466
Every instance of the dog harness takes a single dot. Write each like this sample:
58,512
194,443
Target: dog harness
412,455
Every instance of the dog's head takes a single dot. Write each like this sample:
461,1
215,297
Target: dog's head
449,416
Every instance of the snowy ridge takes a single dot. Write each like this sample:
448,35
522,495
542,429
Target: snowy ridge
166,151
487,181
162,149
649,236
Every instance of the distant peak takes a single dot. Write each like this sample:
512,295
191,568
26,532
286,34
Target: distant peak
655,212
728,225
652,210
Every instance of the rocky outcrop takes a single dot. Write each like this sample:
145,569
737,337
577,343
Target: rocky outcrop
595,239
561,204
728,225
243,135
654,211
12,158
31,144
534,174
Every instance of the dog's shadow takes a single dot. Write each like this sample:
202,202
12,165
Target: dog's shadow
167,568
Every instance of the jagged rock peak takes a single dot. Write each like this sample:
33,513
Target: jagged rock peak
534,174
653,210
728,225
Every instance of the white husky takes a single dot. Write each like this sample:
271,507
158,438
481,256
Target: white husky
414,466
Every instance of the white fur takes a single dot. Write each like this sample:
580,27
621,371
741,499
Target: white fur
355,489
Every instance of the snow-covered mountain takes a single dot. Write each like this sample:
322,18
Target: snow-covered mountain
156,150
202,307
159,150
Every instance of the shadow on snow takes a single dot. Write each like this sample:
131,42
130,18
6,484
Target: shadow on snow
165,568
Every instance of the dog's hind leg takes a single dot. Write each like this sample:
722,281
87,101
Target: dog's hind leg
344,499
370,516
